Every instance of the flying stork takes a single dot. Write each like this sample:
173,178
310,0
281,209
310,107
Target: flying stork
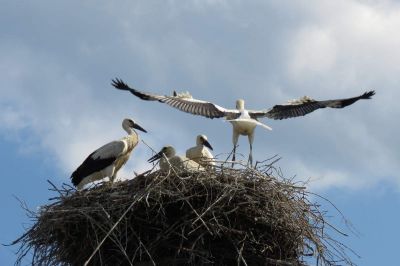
200,153
168,158
243,121
108,159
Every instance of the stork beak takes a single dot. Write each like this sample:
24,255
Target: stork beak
139,128
207,144
155,157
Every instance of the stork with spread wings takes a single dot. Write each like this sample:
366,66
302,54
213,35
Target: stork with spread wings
243,121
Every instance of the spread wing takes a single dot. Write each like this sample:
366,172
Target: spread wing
183,102
306,105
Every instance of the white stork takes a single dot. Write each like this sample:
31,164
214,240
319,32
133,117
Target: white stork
168,158
243,121
108,159
200,153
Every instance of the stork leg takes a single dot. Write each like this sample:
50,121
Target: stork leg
251,138
112,176
234,153
235,139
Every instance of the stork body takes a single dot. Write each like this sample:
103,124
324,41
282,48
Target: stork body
200,153
168,159
243,121
107,160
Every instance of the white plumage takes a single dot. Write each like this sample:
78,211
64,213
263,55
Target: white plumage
200,153
108,159
243,121
168,158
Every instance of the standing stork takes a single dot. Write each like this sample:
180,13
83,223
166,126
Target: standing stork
108,159
243,121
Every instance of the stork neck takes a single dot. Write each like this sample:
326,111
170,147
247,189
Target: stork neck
131,131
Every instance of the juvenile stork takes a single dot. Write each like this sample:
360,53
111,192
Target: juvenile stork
200,153
168,158
243,121
108,159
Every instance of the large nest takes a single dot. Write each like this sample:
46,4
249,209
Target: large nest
222,217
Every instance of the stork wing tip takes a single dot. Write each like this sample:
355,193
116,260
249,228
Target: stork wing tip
368,95
119,84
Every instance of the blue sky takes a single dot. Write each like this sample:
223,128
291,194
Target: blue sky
57,60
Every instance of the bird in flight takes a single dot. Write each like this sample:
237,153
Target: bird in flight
243,121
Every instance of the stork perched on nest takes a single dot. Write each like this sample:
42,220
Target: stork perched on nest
243,121
200,153
168,159
108,159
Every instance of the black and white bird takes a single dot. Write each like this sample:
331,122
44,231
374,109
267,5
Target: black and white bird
201,153
243,121
107,160
168,159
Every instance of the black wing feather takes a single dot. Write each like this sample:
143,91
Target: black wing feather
119,84
89,166
345,102
187,105
306,106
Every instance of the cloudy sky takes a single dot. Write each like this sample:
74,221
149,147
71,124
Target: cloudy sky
57,60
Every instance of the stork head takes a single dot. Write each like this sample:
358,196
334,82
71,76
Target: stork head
168,151
128,124
202,140
240,104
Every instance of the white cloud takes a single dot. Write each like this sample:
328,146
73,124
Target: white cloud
314,52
